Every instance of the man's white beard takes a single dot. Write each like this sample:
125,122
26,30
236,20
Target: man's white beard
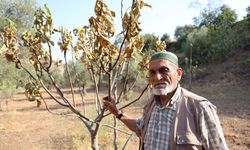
163,91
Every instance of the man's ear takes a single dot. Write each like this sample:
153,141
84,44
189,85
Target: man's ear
179,72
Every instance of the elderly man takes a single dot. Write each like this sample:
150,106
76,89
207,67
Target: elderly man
173,118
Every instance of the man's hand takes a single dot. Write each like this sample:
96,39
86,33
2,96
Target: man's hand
109,103
130,122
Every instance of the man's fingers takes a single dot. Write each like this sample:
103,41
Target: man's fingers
107,98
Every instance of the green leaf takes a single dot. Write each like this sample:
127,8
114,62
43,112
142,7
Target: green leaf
11,23
47,9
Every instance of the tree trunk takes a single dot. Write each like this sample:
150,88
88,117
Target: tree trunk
94,140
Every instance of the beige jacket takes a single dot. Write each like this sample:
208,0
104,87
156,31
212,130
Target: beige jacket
186,134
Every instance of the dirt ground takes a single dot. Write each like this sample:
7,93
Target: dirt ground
227,85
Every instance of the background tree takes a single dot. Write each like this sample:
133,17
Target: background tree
80,75
225,16
213,38
19,13
248,16
181,34
206,18
248,12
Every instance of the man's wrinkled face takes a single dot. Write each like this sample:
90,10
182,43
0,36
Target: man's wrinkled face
164,76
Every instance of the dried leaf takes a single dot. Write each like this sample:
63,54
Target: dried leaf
145,4
112,13
3,50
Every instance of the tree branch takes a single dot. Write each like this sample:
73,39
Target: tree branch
124,146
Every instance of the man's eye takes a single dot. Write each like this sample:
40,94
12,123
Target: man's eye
164,70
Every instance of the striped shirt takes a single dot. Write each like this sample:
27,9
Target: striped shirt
211,131
161,121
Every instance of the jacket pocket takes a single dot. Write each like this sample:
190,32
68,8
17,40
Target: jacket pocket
187,138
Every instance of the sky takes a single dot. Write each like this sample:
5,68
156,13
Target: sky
163,17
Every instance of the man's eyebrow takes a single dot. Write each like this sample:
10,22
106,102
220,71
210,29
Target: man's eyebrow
163,67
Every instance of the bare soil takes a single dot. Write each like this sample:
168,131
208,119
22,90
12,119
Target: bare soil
23,126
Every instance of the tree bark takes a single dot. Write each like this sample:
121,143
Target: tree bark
94,140
115,134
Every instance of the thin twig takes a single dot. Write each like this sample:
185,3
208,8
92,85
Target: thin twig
26,70
70,81
50,56
133,84
96,89
78,82
122,131
51,95
121,68
124,84
124,146
65,99
48,109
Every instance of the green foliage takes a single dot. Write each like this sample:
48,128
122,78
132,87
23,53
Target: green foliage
135,76
206,18
247,62
57,75
10,76
223,41
216,36
165,38
18,13
149,42
79,73
223,15
181,34
198,44
248,12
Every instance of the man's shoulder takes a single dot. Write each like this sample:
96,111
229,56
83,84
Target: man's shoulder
190,95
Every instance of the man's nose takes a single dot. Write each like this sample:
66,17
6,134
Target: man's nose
158,76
